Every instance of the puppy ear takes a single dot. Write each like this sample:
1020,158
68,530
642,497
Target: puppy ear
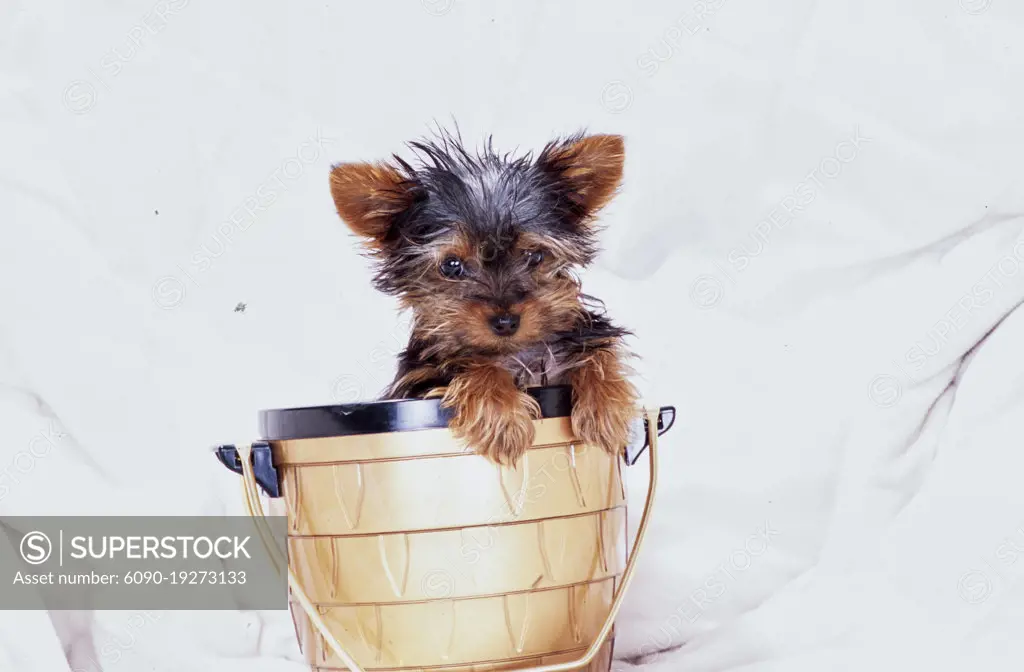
587,170
368,196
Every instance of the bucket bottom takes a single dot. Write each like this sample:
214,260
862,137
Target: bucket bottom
601,663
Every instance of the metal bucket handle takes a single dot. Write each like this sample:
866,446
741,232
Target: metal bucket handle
278,558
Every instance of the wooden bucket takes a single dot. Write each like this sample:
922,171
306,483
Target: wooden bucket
406,552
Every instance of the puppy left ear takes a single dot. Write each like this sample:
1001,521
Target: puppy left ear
368,196
588,170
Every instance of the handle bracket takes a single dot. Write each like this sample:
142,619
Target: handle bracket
666,418
262,465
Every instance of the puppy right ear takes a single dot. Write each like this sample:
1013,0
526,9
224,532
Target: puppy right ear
368,196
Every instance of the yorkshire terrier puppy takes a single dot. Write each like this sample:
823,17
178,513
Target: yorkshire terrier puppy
483,249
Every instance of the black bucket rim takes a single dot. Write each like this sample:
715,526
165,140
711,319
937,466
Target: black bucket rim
398,415
383,416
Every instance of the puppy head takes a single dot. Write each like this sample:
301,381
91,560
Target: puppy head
483,247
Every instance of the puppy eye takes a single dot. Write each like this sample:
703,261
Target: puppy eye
534,257
452,267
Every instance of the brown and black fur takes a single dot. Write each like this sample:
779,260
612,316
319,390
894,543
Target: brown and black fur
483,249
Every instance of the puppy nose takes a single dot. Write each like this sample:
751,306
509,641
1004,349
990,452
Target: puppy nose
504,325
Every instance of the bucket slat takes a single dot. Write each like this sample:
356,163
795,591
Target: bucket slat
406,496
459,563
464,632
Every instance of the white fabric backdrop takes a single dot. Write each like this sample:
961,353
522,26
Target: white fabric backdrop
821,218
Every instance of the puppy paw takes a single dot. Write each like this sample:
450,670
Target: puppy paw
492,415
504,434
604,406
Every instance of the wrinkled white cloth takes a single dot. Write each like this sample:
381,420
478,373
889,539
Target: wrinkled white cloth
821,221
